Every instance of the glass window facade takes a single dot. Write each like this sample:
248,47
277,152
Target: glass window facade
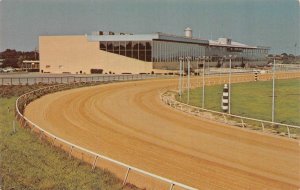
169,51
246,54
141,50
165,51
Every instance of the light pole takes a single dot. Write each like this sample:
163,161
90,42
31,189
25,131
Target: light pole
180,77
229,84
197,59
273,92
188,79
203,82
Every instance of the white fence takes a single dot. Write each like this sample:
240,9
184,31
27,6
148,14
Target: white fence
28,80
85,154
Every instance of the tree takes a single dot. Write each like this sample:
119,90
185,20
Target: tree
13,58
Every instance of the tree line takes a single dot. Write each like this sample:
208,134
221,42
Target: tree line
13,58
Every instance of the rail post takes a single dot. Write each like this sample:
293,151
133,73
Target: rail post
243,125
288,130
94,163
126,176
53,142
171,187
71,151
262,126
224,118
41,134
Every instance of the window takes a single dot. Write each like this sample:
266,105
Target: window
148,46
148,56
141,50
135,48
122,46
116,47
110,47
103,46
128,49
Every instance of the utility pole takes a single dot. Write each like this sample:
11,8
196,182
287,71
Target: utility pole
273,92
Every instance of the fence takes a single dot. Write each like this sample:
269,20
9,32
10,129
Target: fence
132,174
291,131
68,79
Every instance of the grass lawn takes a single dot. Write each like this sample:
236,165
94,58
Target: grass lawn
29,163
254,99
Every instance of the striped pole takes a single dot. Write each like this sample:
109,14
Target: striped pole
255,75
225,97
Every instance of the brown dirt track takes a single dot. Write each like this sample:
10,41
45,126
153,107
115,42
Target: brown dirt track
128,122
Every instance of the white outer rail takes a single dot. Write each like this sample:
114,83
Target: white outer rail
171,182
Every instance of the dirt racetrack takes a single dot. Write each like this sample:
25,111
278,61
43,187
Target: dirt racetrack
128,122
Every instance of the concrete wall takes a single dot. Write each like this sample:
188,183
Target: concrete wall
73,54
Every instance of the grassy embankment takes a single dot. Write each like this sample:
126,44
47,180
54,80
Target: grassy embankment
29,163
254,99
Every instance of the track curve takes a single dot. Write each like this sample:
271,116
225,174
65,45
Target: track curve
128,122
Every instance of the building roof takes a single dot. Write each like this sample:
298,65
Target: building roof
234,44
221,42
146,37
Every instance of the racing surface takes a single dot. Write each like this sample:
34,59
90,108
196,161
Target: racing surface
128,122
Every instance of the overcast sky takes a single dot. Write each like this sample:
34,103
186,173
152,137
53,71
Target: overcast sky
274,23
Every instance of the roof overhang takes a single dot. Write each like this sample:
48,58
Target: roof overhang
146,37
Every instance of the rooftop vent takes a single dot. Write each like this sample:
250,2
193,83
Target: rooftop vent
188,32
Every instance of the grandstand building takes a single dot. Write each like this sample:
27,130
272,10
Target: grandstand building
117,53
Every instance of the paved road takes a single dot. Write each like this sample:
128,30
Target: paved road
128,122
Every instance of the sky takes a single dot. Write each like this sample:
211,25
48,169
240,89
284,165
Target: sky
273,23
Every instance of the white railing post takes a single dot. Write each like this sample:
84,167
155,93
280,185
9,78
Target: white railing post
71,151
126,176
94,163
262,126
288,130
171,187
242,123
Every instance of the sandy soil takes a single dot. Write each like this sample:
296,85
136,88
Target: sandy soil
128,122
